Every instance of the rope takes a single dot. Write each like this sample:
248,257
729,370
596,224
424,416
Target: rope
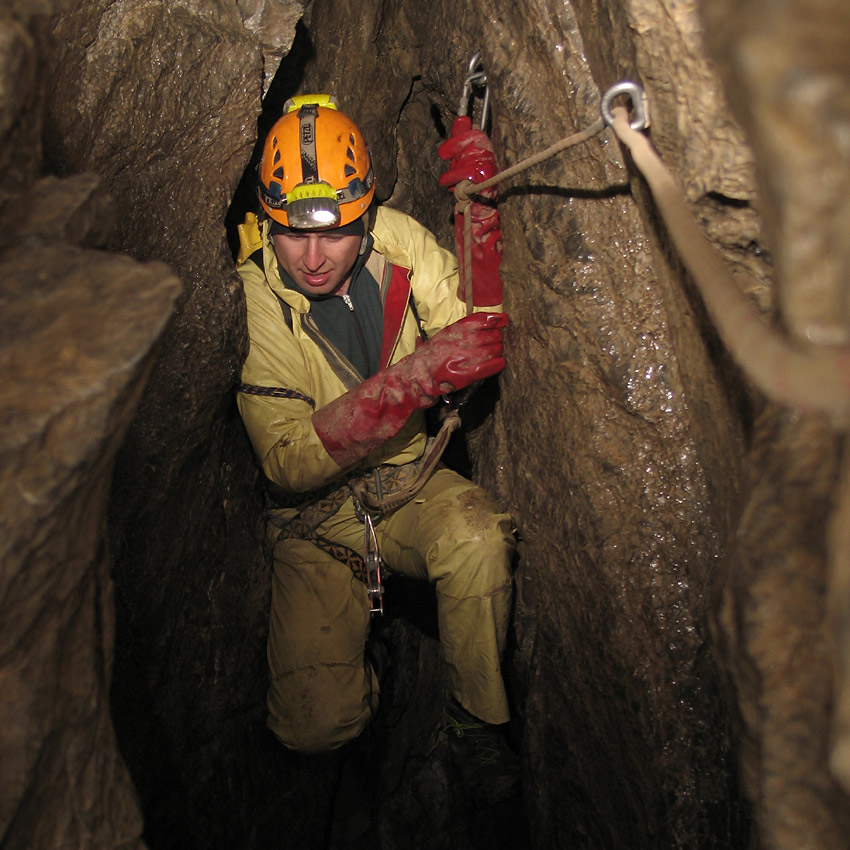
808,379
568,142
805,378
380,504
466,188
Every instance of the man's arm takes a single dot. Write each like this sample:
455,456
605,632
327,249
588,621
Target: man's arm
357,423
302,445
472,158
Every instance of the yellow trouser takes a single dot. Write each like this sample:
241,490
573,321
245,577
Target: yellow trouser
322,691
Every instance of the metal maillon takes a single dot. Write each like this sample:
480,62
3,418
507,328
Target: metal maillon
640,111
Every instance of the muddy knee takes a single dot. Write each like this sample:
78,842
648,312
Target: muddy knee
472,556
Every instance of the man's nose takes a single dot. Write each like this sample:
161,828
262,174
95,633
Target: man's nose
314,255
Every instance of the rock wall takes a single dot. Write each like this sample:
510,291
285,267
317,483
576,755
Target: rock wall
783,617
79,326
680,626
617,418
161,99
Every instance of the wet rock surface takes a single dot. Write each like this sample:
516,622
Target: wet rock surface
679,637
194,593
611,411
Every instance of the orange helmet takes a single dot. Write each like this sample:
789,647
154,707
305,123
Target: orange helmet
316,172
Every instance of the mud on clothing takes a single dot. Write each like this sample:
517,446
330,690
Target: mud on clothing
322,692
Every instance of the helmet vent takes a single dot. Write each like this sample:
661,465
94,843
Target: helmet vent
349,170
276,157
278,172
350,154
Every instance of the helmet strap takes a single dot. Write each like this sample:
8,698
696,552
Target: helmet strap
309,163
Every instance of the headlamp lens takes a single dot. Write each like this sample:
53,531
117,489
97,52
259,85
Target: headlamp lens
313,213
312,206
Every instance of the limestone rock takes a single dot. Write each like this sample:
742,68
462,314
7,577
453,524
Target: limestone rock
776,636
273,23
19,127
161,99
786,67
611,437
76,209
78,330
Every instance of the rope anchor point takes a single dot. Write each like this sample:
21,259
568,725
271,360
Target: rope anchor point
640,119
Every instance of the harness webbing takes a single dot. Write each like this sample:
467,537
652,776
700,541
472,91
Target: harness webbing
275,392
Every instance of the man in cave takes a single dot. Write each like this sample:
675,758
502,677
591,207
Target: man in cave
356,327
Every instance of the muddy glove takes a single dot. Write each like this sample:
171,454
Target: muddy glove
355,424
471,157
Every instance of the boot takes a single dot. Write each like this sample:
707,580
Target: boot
482,754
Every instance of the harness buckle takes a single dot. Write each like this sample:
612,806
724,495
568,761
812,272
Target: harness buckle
640,107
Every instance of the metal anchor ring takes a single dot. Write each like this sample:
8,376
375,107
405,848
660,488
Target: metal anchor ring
640,119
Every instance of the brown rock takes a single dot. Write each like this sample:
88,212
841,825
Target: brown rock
786,67
78,330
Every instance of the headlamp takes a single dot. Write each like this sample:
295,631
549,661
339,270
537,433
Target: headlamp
311,206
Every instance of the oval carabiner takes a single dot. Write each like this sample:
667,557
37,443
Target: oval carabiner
475,76
640,120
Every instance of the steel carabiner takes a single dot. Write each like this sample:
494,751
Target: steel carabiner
476,77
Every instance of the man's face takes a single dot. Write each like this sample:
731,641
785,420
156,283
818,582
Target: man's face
319,263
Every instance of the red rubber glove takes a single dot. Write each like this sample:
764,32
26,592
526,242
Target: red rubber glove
355,424
471,157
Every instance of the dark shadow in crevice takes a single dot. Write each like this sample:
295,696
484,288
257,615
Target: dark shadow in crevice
437,118
286,83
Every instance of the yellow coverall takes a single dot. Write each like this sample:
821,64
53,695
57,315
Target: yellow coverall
322,692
